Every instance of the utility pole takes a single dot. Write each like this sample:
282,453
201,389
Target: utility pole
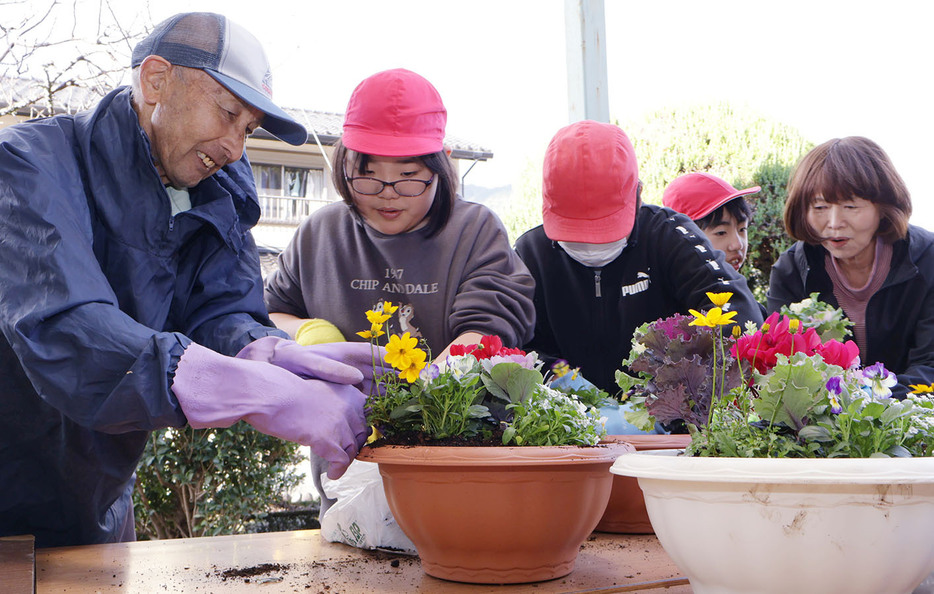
585,31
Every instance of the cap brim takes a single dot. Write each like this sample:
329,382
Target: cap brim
730,197
608,229
276,121
715,205
371,143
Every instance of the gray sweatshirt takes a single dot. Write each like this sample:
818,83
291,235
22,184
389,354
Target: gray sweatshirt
465,278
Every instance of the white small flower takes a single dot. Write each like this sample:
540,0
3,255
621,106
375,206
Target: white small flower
458,365
800,306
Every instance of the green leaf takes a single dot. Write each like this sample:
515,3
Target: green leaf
788,393
814,433
873,410
512,382
626,382
640,417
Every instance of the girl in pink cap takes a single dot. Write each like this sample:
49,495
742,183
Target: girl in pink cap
401,234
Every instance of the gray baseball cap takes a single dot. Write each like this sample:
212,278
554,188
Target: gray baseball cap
230,54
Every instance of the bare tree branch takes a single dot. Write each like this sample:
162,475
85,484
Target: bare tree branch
64,53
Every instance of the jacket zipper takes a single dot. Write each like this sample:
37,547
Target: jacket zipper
596,280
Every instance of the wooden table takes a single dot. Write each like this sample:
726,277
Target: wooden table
302,561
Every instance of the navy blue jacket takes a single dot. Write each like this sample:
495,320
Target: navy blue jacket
101,290
899,316
587,316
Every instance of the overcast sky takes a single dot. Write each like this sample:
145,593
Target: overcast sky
828,68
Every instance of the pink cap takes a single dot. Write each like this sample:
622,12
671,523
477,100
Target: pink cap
699,194
395,113
590,183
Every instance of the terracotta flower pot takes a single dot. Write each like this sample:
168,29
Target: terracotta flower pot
625,512
736,525
496,515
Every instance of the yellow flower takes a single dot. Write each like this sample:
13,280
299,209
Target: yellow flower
374,434
700,319
921,388
401,352
375,331
793,325
715,317
719,299
737,331
560,368
377,318
411,373
389,308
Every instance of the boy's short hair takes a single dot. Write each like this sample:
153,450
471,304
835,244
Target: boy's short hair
738,208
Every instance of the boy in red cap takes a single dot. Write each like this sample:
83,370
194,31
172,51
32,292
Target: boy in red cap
719,209
604,263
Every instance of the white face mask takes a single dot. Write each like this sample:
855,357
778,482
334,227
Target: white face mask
594,255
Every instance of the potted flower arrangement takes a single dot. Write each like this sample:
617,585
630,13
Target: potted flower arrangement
493,476
802,470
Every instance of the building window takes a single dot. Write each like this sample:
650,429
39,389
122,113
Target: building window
289,194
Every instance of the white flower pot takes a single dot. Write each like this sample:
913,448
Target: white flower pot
748,525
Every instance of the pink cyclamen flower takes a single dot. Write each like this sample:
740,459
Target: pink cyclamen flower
842,354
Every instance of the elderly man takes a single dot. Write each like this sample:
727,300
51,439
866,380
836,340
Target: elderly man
130,290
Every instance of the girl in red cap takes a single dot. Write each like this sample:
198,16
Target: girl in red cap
401,234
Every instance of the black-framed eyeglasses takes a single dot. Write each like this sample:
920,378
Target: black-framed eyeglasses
370,186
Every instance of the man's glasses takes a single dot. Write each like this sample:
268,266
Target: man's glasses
370,186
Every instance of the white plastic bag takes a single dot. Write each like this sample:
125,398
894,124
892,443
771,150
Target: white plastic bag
361,516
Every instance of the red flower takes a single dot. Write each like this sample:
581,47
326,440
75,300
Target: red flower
839,353
489,346
463,349
762,348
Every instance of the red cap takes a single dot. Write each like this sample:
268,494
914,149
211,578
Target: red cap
590,183
395,113
699,194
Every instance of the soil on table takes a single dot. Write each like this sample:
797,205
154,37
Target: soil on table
251,572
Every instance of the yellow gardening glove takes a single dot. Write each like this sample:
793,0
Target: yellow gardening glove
318,331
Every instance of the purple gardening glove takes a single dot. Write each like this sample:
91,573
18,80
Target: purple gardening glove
338,362
217,391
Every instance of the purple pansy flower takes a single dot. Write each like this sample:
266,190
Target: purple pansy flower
877,379
430,372
835,387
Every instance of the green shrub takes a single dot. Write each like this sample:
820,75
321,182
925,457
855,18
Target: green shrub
766,231
736,144
205,482
732,142
523,212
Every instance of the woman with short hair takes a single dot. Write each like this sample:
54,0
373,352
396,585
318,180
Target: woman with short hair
848,209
